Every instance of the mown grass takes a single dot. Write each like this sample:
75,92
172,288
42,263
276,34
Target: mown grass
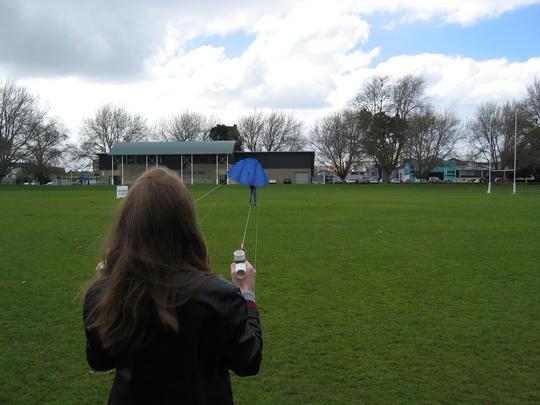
367,294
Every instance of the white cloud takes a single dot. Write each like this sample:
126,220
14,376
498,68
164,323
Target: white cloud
457,83
453,82
113,40
467,11
291,63
463,83
305,56
454,11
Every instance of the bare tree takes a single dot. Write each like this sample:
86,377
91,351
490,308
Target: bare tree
529,153
492,133
433,139
383,107
18,112
251,127
281,132
45,147
532,101
187,126
407,96
375,96
209,122
529,147
73,158
337,141
110,124
395,98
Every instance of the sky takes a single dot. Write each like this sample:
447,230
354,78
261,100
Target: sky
160,58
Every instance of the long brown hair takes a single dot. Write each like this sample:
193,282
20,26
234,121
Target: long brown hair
156,257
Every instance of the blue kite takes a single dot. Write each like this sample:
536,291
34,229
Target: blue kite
249,172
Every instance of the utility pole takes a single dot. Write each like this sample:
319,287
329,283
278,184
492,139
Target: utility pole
490,154
515,151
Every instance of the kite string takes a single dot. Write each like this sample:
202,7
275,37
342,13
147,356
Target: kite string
245,228
200,198
256,237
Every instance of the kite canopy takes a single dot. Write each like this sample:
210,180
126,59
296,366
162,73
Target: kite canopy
248,172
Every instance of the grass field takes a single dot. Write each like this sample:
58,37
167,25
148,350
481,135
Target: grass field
368,294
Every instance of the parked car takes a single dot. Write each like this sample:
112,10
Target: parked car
272,181
374,180
350,181
422,181
287,181
395,181
363,180
434,179
485,179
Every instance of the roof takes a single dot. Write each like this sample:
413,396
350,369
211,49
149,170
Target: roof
274,152
173,148
280,160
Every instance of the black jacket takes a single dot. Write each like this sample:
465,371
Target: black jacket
218,331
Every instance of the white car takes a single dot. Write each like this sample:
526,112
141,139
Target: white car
395,181
272,181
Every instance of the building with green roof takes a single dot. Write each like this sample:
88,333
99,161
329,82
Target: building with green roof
173,148
197,162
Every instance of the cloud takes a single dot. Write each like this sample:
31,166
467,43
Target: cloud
463,83
291,63
455,83
469,11
107,40
309,56
456,11
116,40
87,39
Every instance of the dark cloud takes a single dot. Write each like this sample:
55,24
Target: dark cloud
102,40
89,39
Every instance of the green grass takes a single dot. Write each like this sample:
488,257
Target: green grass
367,294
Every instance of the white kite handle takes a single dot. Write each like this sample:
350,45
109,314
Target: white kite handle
240,263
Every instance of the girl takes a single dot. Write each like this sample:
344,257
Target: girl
159,315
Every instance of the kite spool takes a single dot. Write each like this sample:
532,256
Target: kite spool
240,263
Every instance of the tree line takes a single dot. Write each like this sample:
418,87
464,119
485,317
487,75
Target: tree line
389,121
28,133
